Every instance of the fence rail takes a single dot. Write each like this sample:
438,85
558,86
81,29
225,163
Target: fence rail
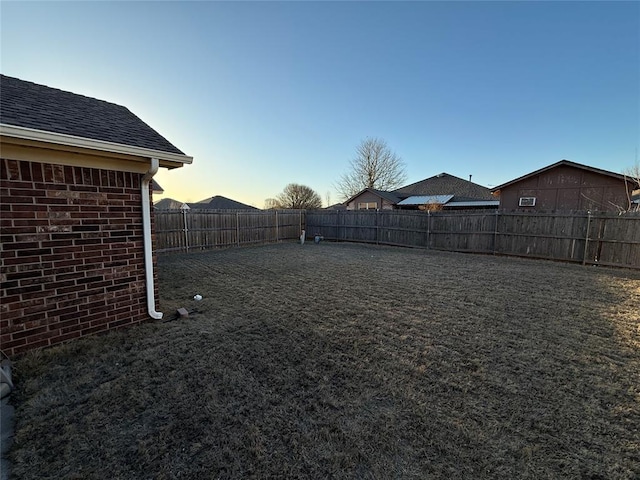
179,230
583,237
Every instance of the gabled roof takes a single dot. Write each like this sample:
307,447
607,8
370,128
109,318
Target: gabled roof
446,184
390,196
219,202
28,110
155,187
336,206
567,163
167,204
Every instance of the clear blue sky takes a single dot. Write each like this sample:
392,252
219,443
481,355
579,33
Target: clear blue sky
263,94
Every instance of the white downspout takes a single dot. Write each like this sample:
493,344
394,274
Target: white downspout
146,231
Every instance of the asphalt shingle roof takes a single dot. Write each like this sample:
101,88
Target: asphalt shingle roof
220,203
386,195
445,184
389,196
30,105
167,204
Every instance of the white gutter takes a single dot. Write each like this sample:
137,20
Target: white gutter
81,142
146,231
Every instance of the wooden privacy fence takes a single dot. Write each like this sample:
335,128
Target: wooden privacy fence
186,230
584,237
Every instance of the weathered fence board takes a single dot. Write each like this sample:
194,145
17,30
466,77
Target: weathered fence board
588,238
177,230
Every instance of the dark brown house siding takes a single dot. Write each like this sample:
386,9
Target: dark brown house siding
369,198
566,188
72,257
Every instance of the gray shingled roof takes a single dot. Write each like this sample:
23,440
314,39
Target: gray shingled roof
390,196
445,184
167,204
386,195
30,105
220,203
155,187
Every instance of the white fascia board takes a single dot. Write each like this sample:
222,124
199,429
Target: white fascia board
80,142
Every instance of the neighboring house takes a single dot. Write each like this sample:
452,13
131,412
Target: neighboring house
442,191
336,206
567,186
212,203
371,199
167,204
156,188
76,224
220,203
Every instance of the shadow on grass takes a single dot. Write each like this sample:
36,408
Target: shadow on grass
348,361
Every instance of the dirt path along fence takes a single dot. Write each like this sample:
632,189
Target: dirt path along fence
185,230
583,237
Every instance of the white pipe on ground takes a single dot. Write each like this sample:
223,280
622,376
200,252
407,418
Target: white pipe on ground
146,230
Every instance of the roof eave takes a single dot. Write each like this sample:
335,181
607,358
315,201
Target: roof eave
569,163
383,194
354,196
167,159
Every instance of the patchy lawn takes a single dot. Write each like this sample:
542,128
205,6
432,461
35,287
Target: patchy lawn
348,361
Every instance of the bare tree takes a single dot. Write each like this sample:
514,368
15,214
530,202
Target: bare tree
298,196
270,204
633,173
374,166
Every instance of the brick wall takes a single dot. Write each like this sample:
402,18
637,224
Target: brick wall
72,256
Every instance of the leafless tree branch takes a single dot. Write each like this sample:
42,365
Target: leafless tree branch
632,173
296,196
374,166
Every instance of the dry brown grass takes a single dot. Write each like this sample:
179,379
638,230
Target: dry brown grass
349,361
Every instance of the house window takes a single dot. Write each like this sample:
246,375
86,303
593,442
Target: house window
527,202
367,206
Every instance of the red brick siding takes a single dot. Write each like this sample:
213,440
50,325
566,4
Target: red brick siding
71,254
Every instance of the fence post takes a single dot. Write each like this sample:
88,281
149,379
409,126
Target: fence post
428,229
277,237
184,207
601,228
377,227
495,233
238,228
586,238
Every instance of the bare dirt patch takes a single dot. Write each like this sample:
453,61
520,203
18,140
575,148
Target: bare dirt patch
348,361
